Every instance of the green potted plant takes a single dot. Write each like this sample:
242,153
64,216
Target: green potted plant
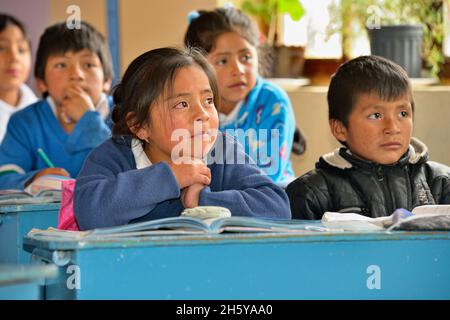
288,60
382,18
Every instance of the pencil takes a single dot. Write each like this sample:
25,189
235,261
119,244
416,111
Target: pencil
44,157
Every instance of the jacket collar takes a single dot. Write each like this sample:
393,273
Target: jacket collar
343,159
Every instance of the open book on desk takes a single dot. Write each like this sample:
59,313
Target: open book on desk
185,225
45,189
427,217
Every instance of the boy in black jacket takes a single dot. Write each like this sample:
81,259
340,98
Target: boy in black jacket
381,168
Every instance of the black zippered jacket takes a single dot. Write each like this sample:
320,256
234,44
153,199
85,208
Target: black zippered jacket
343,183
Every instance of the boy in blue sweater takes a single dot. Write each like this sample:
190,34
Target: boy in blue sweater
73,70
166,153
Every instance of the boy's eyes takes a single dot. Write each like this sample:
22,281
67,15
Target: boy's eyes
404,114
375,115
60,65
90,65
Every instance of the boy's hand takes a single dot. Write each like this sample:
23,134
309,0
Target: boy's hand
76,103
47,171
190,195
191,172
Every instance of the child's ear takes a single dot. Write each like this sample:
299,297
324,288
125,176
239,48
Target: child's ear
41,86
107,85
139,132
338,129
131,122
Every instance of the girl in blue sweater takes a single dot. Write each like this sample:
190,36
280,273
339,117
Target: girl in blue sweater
166,154
256,111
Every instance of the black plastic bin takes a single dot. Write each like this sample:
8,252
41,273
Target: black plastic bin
401,44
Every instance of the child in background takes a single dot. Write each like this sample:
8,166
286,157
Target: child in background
73,70
231,40
381,167
142,173
15,63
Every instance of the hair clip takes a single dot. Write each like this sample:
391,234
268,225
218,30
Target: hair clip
228,5
192,16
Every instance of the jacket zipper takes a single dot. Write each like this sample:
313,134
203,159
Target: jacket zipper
387,195
408,188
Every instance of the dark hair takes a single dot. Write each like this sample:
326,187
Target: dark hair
209,25
204,30
146,78
365,75
7,20
59,39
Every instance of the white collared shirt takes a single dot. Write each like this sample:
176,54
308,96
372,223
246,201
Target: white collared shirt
140,157
27,97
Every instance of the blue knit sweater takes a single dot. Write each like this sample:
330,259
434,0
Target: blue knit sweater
267,107
110,191
37,127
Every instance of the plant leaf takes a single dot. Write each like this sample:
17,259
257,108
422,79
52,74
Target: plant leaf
293,7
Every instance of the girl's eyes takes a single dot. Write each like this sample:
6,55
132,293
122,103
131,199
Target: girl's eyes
181,105
246,58
21,50
404,114
221,62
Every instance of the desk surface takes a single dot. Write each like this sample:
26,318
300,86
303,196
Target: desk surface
10,208
311,265
50,243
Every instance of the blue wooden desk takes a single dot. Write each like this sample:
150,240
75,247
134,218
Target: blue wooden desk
16,221
24,282
398,265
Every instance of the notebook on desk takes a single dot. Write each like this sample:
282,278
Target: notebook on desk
45,189
186,225
427,217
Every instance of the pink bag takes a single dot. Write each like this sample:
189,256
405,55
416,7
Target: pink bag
66,216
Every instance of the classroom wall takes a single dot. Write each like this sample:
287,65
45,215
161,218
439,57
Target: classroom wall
432,113
39,14
25,11
92,11
146,25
